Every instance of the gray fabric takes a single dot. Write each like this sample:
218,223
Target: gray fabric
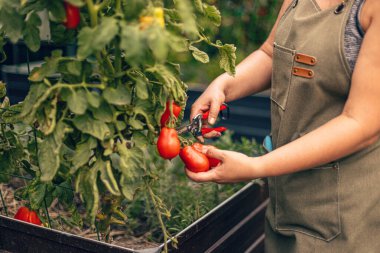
353,35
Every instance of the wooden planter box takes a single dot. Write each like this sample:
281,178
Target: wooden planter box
236,225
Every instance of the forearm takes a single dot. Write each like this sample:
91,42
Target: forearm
338,138
253,75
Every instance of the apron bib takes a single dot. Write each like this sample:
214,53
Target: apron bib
335,207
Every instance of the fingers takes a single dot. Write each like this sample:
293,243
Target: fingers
199,177
214,112
212,134
197,108
213,152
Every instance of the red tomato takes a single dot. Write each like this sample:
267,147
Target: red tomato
194,160
27,215
212,161
168,144
165,117
72,16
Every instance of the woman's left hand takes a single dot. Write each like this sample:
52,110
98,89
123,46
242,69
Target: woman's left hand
234,167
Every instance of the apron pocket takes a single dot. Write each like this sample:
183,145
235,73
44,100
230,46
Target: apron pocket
283,59
308,202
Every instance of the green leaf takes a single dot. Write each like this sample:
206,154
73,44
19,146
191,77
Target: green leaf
199,5
107,177
83,152
36,91
157,42
11,22
213,14
132,168
48,68
56,9
144,108
103,112
48,120
185,11
131,41
31,32
88,189
37,193
199,55
91,126
139,139
119,96
227,57
91,40
142,88
77,101
49,150
93,98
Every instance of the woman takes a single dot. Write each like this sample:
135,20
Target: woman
322,63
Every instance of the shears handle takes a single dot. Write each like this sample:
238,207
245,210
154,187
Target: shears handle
206,130
222,108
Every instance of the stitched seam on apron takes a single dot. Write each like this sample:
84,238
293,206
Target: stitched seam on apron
287,11
316,6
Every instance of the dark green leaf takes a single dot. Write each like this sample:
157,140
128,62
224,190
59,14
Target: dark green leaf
107,177
49,152
91,40
93,98
119,96
48,68
227,57
77,101
87,186
11,22
199,55
83,152
213,14
91,126
31,32
103,112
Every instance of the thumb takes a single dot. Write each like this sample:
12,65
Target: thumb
214,112
213,152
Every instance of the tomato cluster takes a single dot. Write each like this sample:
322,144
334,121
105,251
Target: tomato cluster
169,146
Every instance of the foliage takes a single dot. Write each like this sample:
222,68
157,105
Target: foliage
245,23
93,115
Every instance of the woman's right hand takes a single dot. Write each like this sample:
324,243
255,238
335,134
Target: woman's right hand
211,99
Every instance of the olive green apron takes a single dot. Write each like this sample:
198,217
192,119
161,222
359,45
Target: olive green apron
335,207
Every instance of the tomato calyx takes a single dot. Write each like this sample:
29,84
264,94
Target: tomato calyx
27,215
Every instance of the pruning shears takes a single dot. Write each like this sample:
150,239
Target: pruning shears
196,126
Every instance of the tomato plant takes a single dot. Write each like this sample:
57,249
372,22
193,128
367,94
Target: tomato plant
92,115
27,215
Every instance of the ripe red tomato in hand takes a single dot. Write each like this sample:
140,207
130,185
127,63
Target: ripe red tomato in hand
212,161
72,16
165,117
168,144
27,215
194,160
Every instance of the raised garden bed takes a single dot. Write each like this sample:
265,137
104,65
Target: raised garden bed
236,225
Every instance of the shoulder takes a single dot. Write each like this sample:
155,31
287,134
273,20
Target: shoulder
370,14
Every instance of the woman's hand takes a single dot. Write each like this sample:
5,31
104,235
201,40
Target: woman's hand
234,167
211,99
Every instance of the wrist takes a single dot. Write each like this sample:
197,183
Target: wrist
258,168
